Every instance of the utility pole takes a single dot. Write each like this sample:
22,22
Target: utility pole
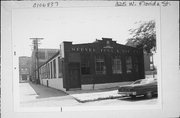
35,47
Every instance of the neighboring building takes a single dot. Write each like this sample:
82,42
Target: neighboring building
24,68
149,64
149,61
43,56
103,63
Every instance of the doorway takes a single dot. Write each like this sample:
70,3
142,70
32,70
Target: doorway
74,75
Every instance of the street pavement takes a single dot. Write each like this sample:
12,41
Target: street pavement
33,95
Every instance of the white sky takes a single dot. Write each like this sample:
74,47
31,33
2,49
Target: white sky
79,25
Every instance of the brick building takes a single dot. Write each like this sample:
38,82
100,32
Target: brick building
103,63
24,68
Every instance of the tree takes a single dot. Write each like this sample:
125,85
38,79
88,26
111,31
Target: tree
144,36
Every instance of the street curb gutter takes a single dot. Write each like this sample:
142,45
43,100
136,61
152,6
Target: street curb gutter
95,96
98,99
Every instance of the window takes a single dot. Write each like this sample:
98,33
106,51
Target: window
151,67
128,64
54,68
136,63
40,73
48,71
116,65
41,70
100,65
60,67
44,72
151,58
85,65
51,71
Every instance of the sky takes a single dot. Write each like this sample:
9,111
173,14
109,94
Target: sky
79,25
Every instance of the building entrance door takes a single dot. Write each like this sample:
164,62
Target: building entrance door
74,75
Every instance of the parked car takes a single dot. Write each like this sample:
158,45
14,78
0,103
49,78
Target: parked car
146,87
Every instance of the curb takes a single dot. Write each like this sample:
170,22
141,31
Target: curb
98,99
80,99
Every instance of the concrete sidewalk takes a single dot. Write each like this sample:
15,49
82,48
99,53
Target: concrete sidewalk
97,94
34,95
94,95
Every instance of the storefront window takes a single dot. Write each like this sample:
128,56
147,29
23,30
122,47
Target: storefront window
116,65
100,65
129,64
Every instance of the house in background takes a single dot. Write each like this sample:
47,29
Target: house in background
150,62
24,68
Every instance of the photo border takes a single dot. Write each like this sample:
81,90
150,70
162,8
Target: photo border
22,5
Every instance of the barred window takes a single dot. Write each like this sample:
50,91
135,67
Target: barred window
100,65
116,65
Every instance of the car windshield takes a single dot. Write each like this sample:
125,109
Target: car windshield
137,82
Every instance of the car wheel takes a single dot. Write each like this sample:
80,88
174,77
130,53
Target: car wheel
149,95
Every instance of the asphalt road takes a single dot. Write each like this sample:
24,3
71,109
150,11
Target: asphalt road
32,95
